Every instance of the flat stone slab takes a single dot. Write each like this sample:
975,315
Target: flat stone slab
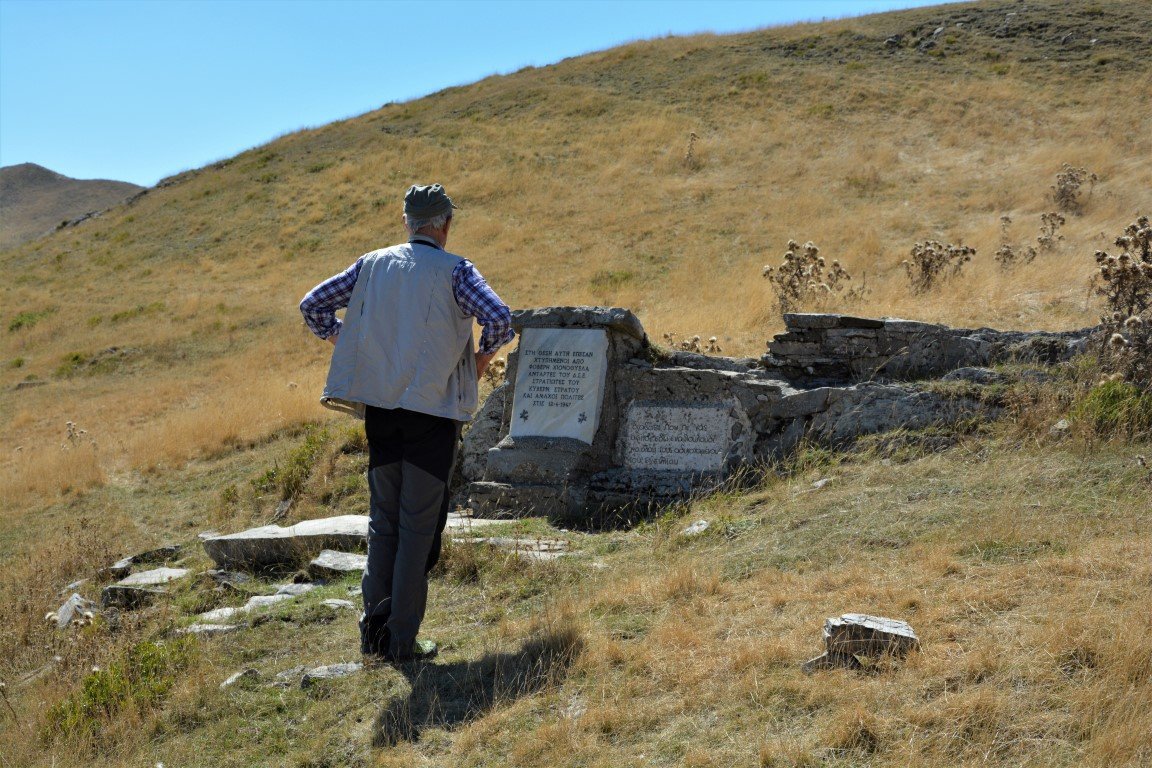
338,604
284,593
526,548
329,672
559,383
273,545
666,438
74,608
458,523
153,578
333,564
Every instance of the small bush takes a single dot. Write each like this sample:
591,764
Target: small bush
1115,408
804,276
140,679
933,262
1066,190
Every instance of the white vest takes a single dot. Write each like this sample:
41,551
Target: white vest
405,341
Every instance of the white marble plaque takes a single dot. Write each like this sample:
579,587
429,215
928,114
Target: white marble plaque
559,383
678,439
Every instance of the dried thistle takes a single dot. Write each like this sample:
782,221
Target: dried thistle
933,262
1066,190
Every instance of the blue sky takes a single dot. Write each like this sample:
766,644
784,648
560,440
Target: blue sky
137,90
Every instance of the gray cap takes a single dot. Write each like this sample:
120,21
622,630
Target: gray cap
427,202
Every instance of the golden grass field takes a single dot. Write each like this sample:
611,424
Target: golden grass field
167,331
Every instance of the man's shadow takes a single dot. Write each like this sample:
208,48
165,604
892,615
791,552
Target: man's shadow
448,695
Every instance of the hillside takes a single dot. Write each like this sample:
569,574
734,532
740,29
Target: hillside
35,200
156,381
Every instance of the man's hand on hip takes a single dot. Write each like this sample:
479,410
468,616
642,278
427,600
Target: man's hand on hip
482,360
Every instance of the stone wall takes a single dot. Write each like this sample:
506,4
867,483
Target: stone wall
844,348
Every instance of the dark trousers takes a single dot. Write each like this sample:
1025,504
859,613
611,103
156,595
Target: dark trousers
410,461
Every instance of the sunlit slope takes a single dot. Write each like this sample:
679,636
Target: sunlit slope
170,325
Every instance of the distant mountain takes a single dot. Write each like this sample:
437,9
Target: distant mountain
35,200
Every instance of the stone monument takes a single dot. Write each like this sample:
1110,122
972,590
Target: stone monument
592,419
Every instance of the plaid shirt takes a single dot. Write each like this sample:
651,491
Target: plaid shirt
473,295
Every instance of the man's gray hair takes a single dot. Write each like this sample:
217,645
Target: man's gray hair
414,225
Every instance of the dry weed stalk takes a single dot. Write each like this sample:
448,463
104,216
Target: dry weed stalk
804,276
1066,190
1008,255
933,262
690,160
693,344
1049,236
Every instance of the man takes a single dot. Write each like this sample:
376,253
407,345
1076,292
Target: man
403,356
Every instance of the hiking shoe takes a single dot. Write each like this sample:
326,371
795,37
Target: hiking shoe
422,650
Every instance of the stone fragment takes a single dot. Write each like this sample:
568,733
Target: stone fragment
123,566
73,586
244,674
330,564
210,630
140,588
219,614
854,640
295,590
74,609
288,676
338,604
329,672
523,547
801,403
154,577
273,545
128,597
463,523
229,579
1060,428
263,601
697,528
980,376
821,483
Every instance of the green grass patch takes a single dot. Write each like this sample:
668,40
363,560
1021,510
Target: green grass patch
1011,551
140,310
139,679
29,318
1115,408
289,478
612,278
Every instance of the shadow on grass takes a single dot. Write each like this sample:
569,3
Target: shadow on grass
448,695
